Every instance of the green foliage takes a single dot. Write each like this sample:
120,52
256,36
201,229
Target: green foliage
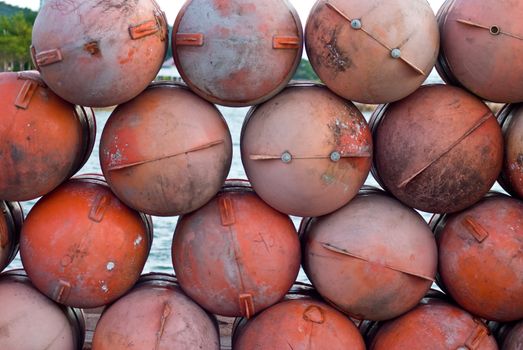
9,10
15,38
305,72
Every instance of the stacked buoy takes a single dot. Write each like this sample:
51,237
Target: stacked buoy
307,151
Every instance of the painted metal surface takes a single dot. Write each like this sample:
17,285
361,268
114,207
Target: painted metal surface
481,46
99,53
307,152
299,324
439,150
237,52
373,259
480,263
435,325
81,246
167,152
511,121
236,256
156,314
11,220
45,139
372,51
32,321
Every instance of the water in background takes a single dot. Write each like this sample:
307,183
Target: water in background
160,257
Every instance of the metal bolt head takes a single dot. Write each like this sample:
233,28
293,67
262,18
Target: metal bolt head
355,24
395,53
286,157
335,156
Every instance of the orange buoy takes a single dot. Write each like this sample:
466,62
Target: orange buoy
511,121
81,246
439,150
156,314
372,51
302,323
30,320
306,152
236,256
237,52
167,152
481,47
99,53
479,264
434,324
46,140
11,220
374,259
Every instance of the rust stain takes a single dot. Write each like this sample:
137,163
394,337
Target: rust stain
93,48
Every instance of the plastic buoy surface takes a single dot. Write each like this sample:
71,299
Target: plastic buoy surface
45,140
374,258
439,150
167,152
481,46
237,52
81,246
479,264
372,51
99,53
236,256
31,321
306,151
511,120
156,314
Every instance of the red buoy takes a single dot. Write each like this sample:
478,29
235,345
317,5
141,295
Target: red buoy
81,246
236,255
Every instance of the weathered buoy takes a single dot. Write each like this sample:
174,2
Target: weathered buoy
478,257
439,150
236,256
511,121
306,152
45,140
237,52
481,46
298,324
81,246
156,314
167,152
434,324
514,338
99,53
372,51
11,220
374,258
31,321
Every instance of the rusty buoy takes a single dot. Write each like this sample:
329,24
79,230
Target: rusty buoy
236,256
307,152
478,257
156,314
11,220
374,258
481,46
434,324
45,140
81,246
31,321
298,324
237,52
439,150
372,51
511,121
167,152
99,53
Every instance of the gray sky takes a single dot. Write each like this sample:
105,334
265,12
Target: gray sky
171,7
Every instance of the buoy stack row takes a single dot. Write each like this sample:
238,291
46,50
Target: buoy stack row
307,150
